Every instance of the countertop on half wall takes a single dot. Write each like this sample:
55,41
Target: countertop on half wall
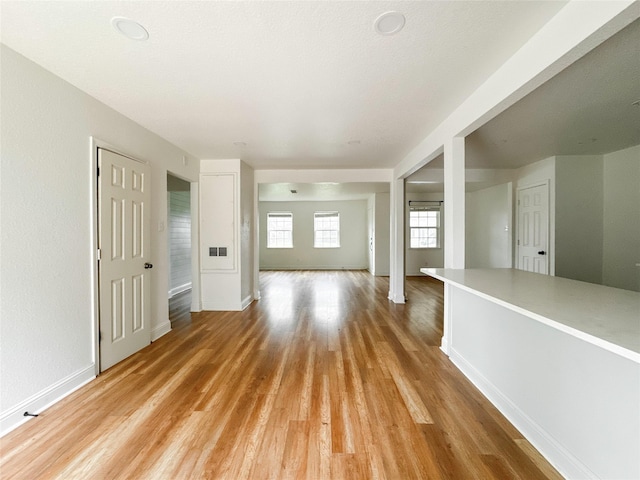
605,316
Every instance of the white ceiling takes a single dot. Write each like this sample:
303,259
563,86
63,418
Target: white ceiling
296,81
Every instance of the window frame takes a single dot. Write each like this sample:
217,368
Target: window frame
326,214
420,228
274,215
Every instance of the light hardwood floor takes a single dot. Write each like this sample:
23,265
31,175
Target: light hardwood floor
322,378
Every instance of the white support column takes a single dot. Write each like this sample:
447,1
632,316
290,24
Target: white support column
396,264
454,203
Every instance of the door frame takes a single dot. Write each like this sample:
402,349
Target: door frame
550,251
95,144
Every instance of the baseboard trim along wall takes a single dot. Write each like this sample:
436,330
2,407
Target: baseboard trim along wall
555,453
177,290
221,306
36,404
160,330
314,267
248,300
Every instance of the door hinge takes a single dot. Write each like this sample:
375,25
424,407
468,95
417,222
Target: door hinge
99,336
99,254
98,171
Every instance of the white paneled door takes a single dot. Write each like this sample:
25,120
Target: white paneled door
124,268
533,229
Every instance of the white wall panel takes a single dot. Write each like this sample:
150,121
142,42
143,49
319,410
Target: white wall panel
218,204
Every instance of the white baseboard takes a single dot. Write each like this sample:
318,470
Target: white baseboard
246,301
14,417
196,306
221,306
397,298
160,330
566,463
314,267
182,288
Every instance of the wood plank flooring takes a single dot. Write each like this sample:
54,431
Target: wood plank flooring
323,378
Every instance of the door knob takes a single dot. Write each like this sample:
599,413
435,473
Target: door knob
148,266
542,252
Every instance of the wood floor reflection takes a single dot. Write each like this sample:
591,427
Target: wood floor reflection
322,378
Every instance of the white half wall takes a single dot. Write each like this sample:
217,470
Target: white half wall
576,402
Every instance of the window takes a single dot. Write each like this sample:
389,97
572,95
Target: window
424,225
279,230
326,229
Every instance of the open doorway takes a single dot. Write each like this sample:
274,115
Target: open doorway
179,238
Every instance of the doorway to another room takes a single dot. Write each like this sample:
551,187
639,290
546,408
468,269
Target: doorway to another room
179,236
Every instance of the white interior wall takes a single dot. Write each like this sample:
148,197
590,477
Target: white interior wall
371,237
579,217
180,242
382,233
488,227
621,228
47,228
417,258
352,254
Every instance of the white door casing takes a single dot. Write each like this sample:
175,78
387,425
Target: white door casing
124,243
533,229
370,223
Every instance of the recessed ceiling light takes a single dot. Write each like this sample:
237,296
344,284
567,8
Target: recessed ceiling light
129,28
389,23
